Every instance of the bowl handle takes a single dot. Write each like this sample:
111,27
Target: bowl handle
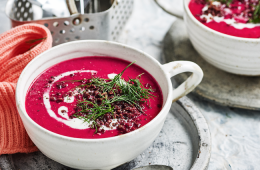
177,67
168,8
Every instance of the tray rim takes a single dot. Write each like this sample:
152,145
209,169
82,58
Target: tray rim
204,152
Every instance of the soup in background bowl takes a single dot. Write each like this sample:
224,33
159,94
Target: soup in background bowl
112,151
237,18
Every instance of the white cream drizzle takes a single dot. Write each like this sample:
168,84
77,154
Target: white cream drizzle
62,113
73,123
231,22
111,76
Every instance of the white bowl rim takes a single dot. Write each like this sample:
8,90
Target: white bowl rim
186,8
168,100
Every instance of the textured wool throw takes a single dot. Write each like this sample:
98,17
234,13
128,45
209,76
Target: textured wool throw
18,47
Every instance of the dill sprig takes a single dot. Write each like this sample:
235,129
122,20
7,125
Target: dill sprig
256,15
132,92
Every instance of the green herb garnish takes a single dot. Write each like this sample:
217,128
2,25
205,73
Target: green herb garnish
256,15
111,91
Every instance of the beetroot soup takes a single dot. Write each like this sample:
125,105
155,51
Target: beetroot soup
240,18
93,97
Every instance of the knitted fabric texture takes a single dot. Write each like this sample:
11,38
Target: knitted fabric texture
18,47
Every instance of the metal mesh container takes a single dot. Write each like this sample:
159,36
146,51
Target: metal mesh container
105,25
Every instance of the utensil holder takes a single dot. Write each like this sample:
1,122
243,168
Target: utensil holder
105,25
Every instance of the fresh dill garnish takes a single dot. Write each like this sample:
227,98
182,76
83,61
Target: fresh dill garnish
108,92
256,15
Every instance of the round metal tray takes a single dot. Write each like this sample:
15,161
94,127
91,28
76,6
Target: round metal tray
184,143
217,86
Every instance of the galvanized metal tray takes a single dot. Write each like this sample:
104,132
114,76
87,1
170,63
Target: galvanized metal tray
217,86
184,143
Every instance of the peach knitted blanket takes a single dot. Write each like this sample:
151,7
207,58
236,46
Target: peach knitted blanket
17,48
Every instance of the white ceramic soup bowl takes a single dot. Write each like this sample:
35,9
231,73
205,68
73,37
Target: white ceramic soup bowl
229,53
106,153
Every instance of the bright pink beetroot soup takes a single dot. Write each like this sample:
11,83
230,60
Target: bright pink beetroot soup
93,97
238,18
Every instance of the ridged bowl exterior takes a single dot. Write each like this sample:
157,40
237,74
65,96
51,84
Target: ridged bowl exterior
232,54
